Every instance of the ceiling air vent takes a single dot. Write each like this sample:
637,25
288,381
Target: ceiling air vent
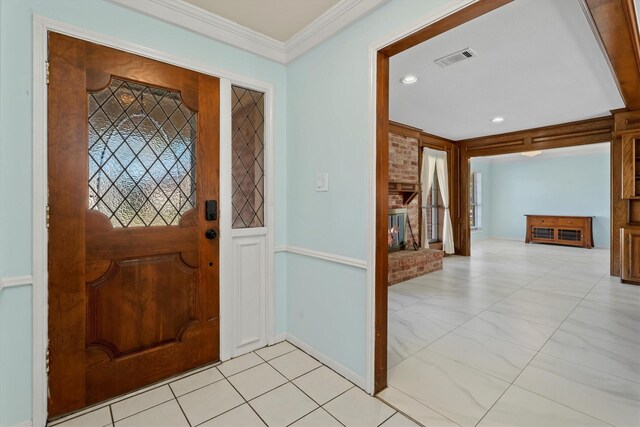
461,55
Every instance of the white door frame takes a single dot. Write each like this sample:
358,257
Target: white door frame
41,26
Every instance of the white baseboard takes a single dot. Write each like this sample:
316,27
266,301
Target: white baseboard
24,424
278,338
345,372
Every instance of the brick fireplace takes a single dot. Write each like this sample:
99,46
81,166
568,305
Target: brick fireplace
404,188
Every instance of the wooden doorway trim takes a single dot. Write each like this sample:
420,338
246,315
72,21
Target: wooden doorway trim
615,24
383,54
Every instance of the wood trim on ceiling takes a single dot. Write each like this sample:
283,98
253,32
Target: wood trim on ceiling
458,18
193,18
616,27
582,132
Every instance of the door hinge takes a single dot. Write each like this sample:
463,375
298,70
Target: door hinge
47,70
47,358
47,216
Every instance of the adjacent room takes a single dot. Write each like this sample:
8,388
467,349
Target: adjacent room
474,340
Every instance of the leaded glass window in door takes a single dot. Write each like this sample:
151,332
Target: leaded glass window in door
142,147
247,170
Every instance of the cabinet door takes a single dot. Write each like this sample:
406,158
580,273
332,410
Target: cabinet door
631,166
631,255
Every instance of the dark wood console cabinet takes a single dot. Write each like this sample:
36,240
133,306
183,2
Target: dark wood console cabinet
560,230
630,239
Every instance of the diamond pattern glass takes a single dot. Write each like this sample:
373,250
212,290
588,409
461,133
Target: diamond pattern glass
247,170
142,144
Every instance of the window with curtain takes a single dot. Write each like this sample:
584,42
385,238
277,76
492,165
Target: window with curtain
475,198
433,212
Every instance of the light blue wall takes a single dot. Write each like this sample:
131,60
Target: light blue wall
483,166
328,130
15,355
576,185
15,156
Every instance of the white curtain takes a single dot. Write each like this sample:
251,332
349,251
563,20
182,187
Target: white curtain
426,178
437,160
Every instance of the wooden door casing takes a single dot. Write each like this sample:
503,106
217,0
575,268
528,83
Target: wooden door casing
127,306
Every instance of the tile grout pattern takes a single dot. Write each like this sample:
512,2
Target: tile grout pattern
485,332
244,391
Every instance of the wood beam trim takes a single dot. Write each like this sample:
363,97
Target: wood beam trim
445,24
617,28
582,132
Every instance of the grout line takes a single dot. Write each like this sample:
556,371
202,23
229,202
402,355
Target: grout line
113,423
534,279
388,418
419,403
179,405
536,355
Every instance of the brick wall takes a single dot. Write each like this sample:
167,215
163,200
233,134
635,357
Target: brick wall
403,159
403,167
405,265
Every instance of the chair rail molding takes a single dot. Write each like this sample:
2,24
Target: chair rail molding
325,256
12,282
210,25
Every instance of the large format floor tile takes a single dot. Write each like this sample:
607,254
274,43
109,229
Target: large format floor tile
609,322
622,360
458,392
547,318
603,396
521,408
512,329
418,411
499,358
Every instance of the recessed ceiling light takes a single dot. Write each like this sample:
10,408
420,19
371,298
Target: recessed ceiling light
409,79
531,153
497,119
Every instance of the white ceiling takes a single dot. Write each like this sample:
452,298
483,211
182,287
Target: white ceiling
278,19
538,64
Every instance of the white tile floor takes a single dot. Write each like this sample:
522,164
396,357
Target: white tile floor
275,386
516,335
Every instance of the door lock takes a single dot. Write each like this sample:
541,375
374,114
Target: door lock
211,234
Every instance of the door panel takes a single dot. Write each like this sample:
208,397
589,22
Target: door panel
133,282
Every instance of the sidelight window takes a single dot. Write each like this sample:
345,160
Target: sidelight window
247,171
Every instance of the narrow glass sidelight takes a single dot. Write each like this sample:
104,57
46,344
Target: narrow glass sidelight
142,143
247,170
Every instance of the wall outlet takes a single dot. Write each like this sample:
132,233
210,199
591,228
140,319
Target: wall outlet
322,181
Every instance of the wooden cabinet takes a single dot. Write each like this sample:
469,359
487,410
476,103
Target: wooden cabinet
560,230
631,166
630,251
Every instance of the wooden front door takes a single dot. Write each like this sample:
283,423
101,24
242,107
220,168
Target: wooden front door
133,258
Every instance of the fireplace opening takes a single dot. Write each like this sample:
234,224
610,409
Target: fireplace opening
397,229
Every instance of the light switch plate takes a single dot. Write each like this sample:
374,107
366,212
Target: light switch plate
322,181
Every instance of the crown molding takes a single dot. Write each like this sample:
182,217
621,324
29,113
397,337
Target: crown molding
186,15
200,21
329,23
